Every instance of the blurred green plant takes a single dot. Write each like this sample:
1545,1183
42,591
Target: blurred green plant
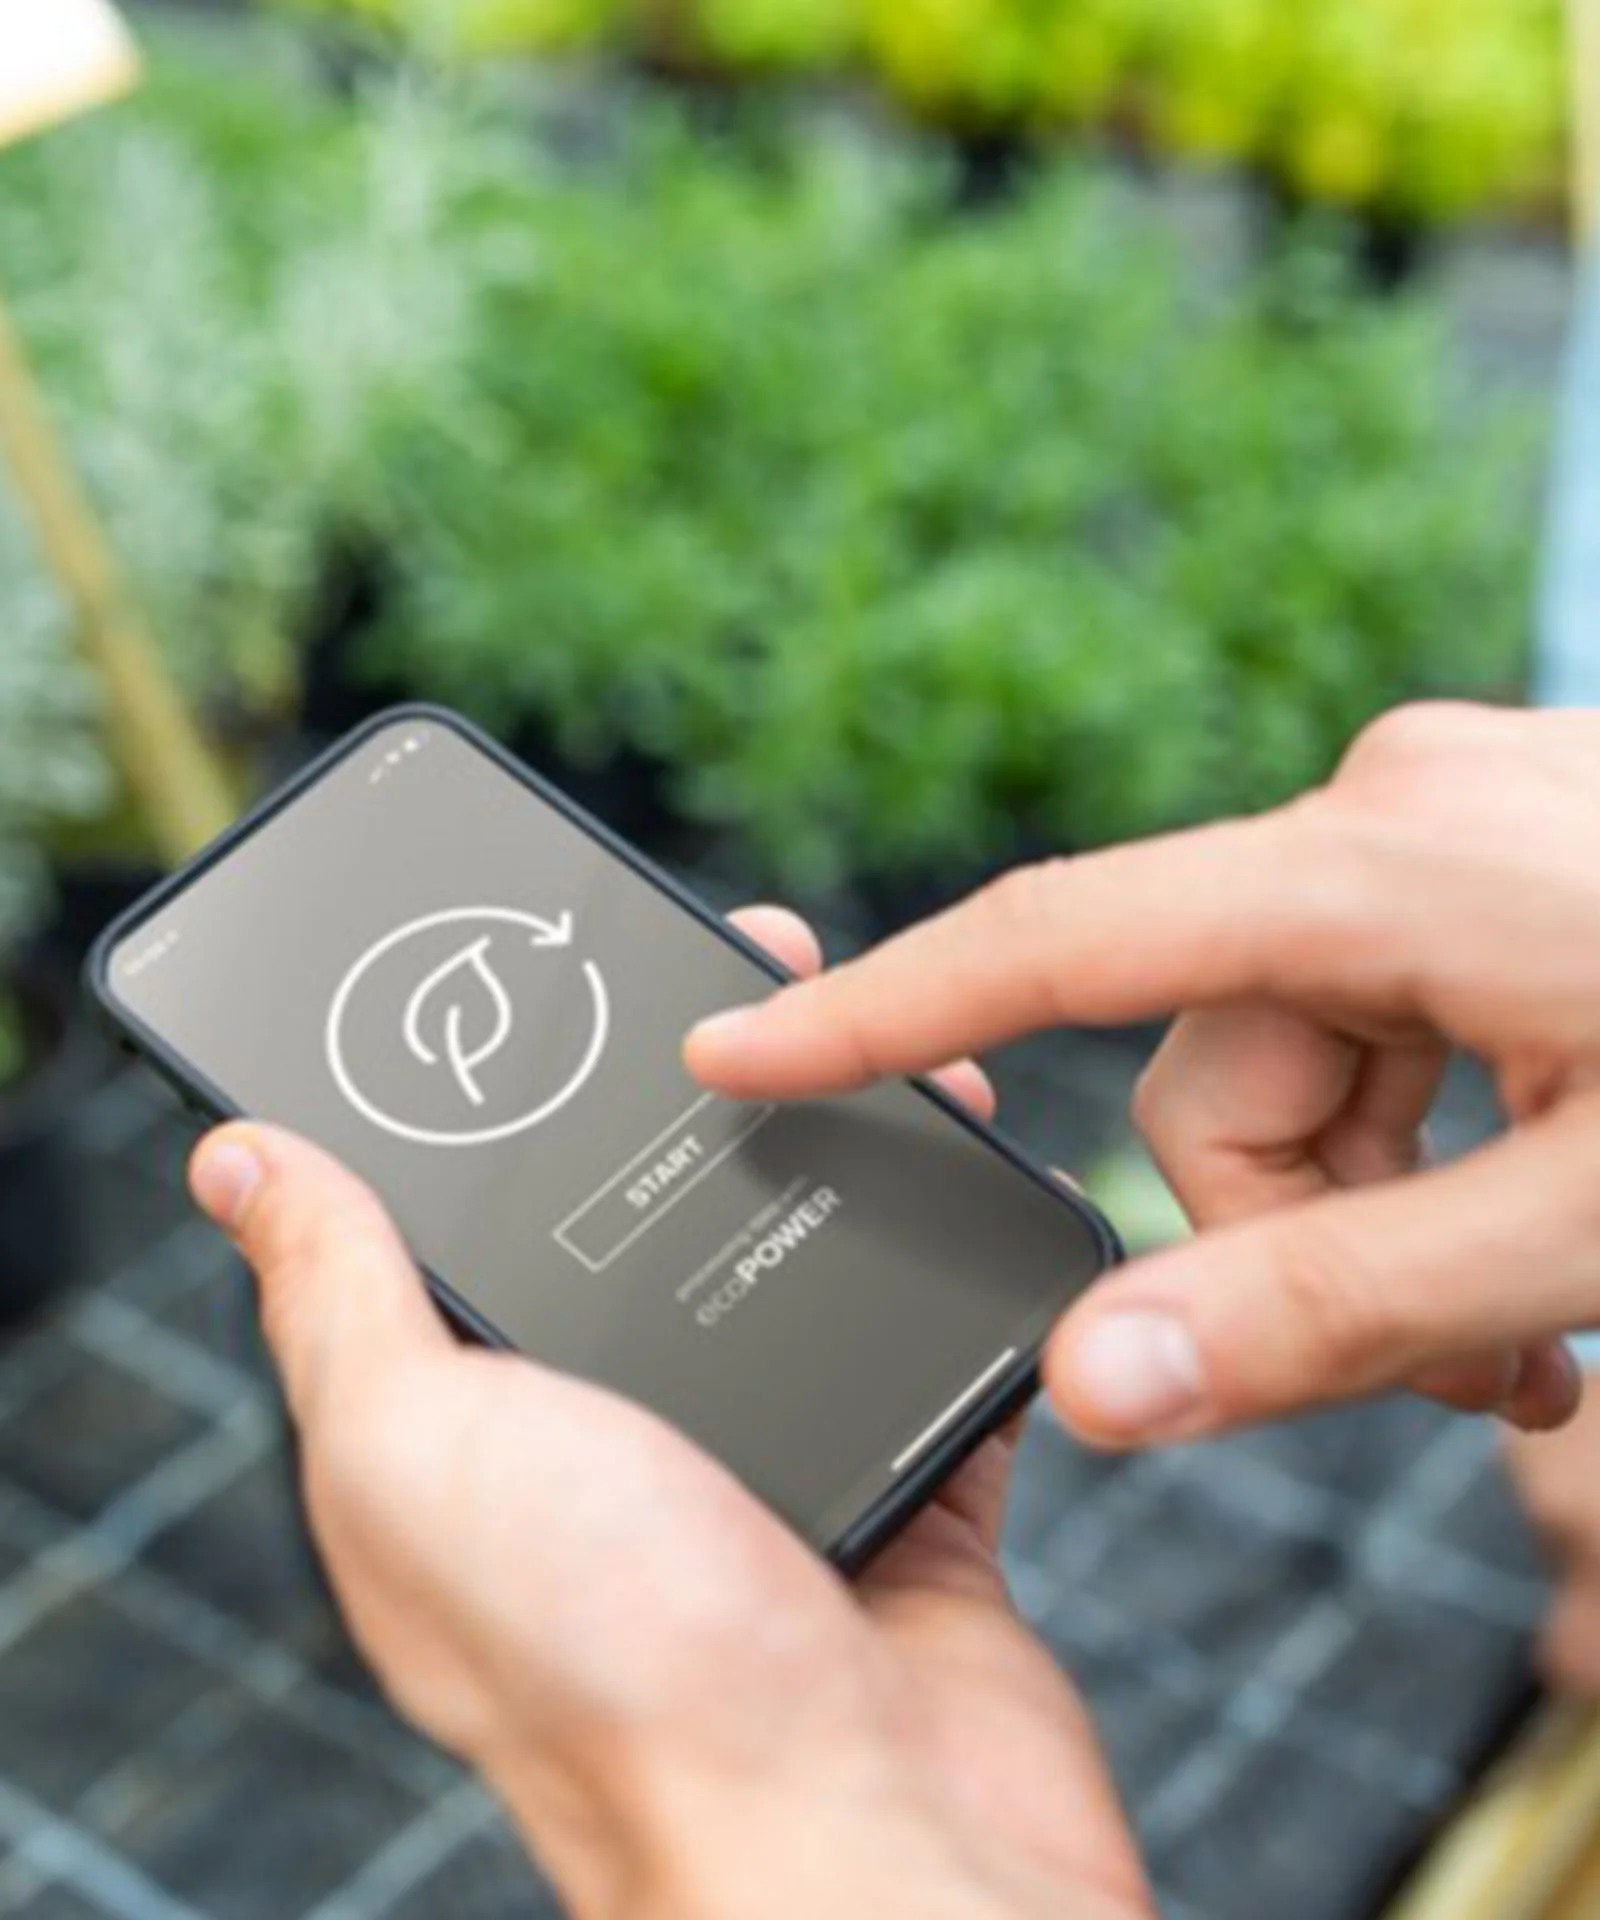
899,538
457,27
1418,109
223,285
50,767
777,35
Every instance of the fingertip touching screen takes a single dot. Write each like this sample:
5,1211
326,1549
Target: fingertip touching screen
430,968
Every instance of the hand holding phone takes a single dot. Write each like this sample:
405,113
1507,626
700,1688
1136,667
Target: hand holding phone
648,1668
428,962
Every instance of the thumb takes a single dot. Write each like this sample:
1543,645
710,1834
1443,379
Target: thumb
341,1300
1344,1296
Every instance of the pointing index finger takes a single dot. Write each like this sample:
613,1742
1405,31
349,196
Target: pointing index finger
1244,908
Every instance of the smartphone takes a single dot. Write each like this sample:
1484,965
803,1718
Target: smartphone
423,957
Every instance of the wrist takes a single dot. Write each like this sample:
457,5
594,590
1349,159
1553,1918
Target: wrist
795,1849
673,1840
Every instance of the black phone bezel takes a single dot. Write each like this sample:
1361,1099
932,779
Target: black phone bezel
879,1523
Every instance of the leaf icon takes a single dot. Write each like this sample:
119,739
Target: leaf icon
472,965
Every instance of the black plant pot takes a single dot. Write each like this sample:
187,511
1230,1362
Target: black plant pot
1388,249
90,892
356,585
1392,252
995,166
889,902
40,1206
628,790
894,899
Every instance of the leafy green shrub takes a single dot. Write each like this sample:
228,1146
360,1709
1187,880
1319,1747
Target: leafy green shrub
777,35
480,26
1424,109
49,767
893,537
134,253
224,285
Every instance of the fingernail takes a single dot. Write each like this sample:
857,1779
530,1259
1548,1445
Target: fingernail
725,1030
1141,1371
224,1178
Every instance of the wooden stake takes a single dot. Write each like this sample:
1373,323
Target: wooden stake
1517,1849
170,772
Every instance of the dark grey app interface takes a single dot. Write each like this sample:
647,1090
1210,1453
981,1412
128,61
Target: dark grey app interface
428,968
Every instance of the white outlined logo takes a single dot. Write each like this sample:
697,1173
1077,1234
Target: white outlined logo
455,1048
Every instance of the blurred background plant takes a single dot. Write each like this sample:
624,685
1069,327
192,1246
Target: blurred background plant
1151,555
221,335
287,259
1419,109
50,766
891,537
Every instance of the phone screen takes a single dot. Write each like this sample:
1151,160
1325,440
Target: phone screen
437,973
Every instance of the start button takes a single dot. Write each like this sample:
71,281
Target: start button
656,1179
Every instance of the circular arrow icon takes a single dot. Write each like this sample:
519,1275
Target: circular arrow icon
455,1020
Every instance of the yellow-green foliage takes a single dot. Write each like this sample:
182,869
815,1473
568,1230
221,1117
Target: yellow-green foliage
481,26
1005,60
777,33
1427,108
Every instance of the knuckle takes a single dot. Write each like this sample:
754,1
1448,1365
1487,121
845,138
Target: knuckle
291,1242
1172,1096
1418,734
1341,918
1021,911
1320,847
285,1256
855,1033
1151,1103
1023,899
282,1240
